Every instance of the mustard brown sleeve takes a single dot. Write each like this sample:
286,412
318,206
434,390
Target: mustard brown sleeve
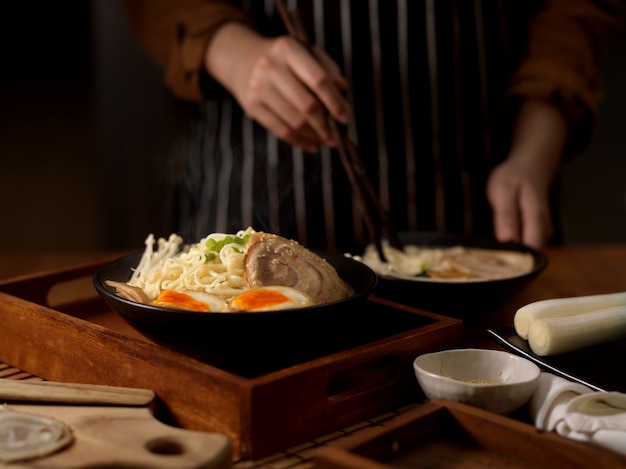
175,35
566,42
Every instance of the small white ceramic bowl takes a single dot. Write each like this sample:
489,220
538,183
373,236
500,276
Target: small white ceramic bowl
493,380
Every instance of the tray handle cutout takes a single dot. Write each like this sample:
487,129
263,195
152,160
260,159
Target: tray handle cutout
365,377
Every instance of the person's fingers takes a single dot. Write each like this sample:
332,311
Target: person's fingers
521,212
275,124
278,100
536,221
274,83
318,79
332,68
506,216
534,235
304,110
266,100
286,89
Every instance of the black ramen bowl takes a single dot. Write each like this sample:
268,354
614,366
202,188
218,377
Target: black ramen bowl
235,339
470,301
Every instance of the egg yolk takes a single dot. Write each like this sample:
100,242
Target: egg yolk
256,299
174,299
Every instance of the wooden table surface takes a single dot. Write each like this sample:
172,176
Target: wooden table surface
16,264
577,269
572,271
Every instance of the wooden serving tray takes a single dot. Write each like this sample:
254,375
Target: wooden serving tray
445,434
54,325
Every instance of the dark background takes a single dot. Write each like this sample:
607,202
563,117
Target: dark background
85,122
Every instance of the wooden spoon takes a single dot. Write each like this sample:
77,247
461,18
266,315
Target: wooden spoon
72,393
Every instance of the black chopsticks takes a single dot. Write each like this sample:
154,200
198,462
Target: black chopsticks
375,216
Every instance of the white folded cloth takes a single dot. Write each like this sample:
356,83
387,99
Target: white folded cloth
577,412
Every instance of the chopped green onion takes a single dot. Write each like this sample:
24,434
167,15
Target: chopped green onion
216,246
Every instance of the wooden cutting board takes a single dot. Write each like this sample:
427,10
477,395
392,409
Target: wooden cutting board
114,432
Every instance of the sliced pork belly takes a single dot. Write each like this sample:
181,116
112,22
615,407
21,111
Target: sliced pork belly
273,260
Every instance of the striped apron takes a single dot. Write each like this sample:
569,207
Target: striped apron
426,85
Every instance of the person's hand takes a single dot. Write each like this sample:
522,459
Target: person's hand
279,84
519,200
518,188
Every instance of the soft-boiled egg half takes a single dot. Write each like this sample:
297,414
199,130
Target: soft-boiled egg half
270,298
192,301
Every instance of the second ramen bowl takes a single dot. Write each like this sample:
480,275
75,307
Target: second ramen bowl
468,301
243,342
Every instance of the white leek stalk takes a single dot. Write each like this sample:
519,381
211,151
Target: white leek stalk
551,336
562,307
